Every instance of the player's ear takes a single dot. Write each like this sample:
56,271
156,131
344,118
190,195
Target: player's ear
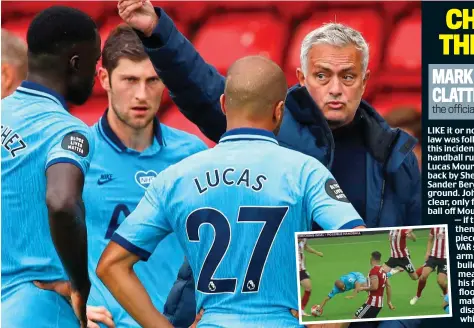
7,77
278,111
300,76
366,78
222,101
74,63
104,78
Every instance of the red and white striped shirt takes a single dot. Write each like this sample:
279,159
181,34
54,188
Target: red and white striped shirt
439,243
398,243
376,296
301,245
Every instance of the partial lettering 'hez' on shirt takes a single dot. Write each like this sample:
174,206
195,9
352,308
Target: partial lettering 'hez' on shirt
12,141
35,123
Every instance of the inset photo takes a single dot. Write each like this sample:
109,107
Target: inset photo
373,274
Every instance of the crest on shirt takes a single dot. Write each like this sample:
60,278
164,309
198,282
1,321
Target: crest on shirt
334,191
144,178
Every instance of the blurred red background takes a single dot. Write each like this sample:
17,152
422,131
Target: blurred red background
225,31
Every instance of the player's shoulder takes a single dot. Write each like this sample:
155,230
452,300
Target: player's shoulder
182,140
374,270
304,163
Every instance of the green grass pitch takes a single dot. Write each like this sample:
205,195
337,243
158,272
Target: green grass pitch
352,253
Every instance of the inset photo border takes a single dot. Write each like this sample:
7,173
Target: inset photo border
339,274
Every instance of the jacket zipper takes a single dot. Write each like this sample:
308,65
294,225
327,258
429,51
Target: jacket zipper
379,215
381,203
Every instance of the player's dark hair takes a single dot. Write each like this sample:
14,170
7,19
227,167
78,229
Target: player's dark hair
376,255
122,42
57,29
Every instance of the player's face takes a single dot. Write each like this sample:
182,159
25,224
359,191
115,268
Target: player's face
83,68
135,92
335,81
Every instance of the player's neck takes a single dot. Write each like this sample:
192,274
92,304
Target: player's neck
242,123
45,81
138,140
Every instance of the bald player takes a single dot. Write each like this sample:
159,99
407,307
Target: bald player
235,209
14,62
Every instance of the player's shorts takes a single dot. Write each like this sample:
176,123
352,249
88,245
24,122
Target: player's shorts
304,275
367,311
437,264
404,262
27,306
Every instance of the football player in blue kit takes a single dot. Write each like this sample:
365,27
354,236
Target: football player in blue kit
131,148
235,209
351,281
46,153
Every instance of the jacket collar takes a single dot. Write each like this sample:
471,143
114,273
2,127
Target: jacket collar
386,145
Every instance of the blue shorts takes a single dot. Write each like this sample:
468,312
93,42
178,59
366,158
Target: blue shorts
27,306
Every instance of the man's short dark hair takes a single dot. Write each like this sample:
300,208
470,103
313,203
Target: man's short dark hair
376,255
59,27
122,42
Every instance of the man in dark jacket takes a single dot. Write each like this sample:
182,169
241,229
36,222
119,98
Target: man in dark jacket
325,117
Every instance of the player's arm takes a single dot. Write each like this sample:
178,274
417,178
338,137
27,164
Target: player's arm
115,269
66,214
135,239
429,246
374,284
313,251
389,295
195,86
325,202
67,162
325,300
357,288
411,235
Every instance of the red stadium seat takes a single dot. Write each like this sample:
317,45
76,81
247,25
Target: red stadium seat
226,38
186,11
359,20
172,117
289,9
18,26
404,47
92,8
385,101
91,111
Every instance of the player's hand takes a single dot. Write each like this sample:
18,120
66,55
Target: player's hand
78,302
94,313
390,306
99,314
62,287
139,14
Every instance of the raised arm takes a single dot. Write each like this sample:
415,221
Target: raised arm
194,85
